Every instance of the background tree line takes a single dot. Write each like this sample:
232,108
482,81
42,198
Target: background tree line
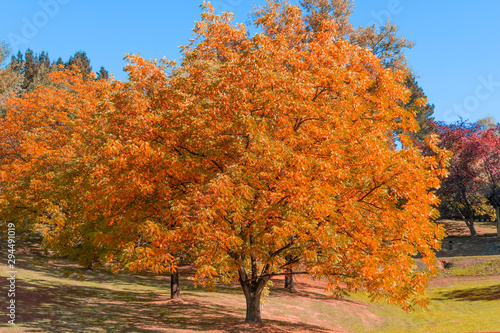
24,72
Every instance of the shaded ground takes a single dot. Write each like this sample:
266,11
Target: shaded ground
46,301
490,293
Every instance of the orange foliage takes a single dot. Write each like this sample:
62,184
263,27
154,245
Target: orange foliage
252,149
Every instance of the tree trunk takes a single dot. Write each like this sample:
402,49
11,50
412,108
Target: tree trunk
252,296
497,208
470,225
289,277
289,281
252,290
175,290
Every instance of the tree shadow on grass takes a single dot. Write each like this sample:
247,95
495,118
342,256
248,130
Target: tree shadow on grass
104,302
57,268
491,293
308,289
52,306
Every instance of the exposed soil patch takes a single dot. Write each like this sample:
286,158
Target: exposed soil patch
459,243
459,228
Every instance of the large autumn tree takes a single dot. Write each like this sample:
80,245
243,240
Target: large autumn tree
293,124
254,154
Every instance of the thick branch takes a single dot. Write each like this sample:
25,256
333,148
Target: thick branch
191,152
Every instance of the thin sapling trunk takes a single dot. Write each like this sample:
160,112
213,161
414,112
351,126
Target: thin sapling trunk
175,290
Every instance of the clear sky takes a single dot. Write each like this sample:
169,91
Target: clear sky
456,53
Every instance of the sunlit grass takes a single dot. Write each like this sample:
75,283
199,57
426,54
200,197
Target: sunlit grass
472,266
488,225
470,305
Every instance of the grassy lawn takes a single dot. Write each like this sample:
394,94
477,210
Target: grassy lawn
461,301
472,266
466,304
491,226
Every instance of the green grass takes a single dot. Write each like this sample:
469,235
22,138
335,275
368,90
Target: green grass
103,302
463,305
472,266
488,225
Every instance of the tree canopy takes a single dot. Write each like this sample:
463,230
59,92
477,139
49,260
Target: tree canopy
487,122
384,43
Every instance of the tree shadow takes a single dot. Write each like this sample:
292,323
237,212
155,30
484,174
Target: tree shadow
491,293
62,269
307,289
44,306
49,302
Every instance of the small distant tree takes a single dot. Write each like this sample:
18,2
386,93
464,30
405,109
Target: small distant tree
494,199
102,74
464,191
34,69
487,122
423,111
81,61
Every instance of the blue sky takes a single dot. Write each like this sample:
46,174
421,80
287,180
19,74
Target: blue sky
456,53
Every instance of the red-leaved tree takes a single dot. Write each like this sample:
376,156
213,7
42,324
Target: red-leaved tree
470,188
